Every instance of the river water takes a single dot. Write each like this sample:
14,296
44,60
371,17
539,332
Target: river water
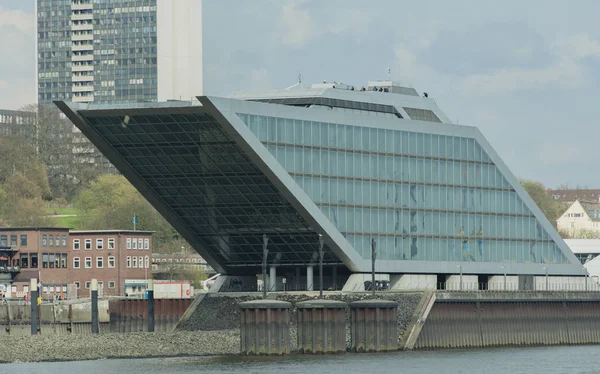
547,360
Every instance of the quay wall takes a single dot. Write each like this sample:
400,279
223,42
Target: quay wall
115,316
488,319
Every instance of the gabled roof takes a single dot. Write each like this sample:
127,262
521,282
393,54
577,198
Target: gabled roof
567,196
591,208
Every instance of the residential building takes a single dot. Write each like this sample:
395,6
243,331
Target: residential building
581,220
42,254
570,196
350,171
107,51
15,122
64,262
163,264
111,257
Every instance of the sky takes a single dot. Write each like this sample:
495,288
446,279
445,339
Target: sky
526,73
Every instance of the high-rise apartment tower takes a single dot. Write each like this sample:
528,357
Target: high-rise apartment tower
109,51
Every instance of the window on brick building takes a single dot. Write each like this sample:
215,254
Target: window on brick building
44,240
141,262
34,260
111,262
77,285
23,240
57,261
88,244
140,243
135,265
76,263
111,284
63,262
64,241
24,260
146,243
129,261
99,262
134,243
13,240
147,262
4,240
111,243
51,241
88,263
88,284
128,243
44,260
100,285
76,244
99,243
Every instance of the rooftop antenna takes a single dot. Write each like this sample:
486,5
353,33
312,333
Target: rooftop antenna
299,84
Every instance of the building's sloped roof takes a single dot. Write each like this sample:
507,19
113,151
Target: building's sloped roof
592,209
567,196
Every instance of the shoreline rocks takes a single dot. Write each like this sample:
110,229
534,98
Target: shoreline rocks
79,347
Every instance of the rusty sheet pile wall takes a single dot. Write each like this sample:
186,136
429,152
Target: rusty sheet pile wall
128,315
117,315
460,324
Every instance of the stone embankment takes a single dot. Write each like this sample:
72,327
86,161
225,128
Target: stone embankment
130,345
222,312
212,329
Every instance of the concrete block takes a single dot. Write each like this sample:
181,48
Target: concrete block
418,282
496,283
469,283
356,282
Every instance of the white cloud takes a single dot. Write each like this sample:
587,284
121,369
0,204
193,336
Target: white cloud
297,25
564,73
23,21
260,79
577,46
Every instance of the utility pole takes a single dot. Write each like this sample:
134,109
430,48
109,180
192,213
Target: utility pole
321,254
373,257
264,264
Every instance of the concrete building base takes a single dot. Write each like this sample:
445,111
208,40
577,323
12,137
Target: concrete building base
356,282
462,282
413,282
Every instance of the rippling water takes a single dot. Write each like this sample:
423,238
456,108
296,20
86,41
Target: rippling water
547,360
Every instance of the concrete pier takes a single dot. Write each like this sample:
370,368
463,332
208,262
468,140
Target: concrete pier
374,326
321,326
265,327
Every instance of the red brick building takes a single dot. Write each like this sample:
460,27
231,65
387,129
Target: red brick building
64,261
111,256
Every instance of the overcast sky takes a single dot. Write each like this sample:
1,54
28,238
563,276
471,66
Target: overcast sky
525,72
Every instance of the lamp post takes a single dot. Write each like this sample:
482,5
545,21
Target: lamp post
321,254
587,275
460,285
546,268
264,264
504,268
373,257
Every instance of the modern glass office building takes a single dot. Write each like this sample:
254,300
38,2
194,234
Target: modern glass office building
334,161
109,51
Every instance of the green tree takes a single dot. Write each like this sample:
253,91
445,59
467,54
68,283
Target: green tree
550,207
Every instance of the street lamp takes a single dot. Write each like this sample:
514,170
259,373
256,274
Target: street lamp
373,257
504,268
460,286
264,264
546,268
321,253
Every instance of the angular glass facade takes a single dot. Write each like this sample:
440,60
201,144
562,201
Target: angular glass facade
434,196
423,196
